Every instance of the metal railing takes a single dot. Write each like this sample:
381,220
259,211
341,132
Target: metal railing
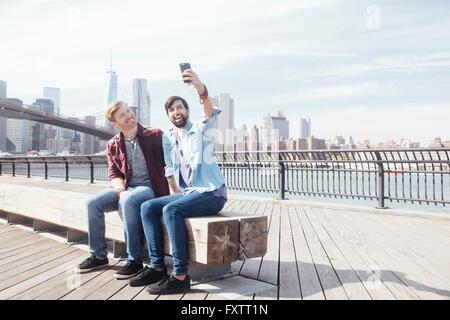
419,176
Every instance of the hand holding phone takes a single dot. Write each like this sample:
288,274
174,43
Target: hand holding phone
183,67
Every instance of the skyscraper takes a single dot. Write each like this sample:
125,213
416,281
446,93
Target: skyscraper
301,128
53,94
225,122
45,105
141,101
275,128
280,122
111,90
89,141
18,133
3,90
41,132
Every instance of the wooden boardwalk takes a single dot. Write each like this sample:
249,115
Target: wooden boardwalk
313,253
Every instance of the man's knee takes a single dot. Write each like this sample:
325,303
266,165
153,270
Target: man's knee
149,209
92,204
170,211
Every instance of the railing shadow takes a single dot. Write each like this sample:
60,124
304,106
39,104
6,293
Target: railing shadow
314,279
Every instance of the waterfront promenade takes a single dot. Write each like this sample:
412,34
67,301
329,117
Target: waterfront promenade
315,251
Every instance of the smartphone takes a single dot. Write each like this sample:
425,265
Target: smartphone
185,66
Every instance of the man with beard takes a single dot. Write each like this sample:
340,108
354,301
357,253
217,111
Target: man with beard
136,169
196,185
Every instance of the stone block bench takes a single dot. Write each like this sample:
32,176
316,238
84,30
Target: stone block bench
213,241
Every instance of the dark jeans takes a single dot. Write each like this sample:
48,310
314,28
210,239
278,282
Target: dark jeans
174,209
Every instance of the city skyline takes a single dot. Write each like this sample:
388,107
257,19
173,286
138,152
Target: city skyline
350,66
275,129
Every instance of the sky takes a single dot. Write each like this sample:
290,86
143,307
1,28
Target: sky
374,70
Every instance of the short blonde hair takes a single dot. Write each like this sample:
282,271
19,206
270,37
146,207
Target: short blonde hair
112,108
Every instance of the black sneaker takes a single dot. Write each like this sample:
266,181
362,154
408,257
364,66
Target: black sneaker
130,269
148,276
170,285
91,263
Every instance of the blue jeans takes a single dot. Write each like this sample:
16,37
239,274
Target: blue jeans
129,207
174,209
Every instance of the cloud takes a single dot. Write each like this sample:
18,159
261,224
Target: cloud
290,7
348,92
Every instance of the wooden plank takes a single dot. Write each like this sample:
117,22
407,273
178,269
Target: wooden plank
289,285
21,255
40,249
195,294
388,253
311,288
88,288
256,208
427,248
18,243
144,295
331,285
166,297
25,271
347,276
221,243
251,267
24,246
53,268
361,245
12,233
370,278
58,286
7,228
108,290
252,235
269,267
127,293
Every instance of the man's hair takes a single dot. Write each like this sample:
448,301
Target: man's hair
172,100
112,108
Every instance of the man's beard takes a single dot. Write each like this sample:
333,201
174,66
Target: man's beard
180,123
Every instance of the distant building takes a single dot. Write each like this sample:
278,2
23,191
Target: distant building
3,94
225,122
141,101
18,133
288,145
89,141
45,105
316,144
59,146
438,143
253,141
53,94
300,128
275,129
111,91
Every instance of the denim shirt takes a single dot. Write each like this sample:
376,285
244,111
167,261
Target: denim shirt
198,142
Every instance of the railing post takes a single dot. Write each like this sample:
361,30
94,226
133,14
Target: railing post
67,170
92,172
380,182
13,169
28,170
45,170
281,177
1,169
